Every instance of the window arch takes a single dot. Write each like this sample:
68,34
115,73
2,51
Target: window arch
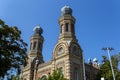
44,77
61,29
66,27
34,45
30,46
39,46
72,28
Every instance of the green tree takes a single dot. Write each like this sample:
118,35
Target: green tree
56,75
15,77
105,69
12,49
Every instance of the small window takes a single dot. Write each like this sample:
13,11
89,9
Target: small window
76,74
61,28
39,46
34,46
30,46
66,27
72,28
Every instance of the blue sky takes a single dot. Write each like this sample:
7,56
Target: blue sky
97,22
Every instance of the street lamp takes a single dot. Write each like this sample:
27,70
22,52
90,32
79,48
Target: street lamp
36,66
108,49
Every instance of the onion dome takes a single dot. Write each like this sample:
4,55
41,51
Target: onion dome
66,10
38,30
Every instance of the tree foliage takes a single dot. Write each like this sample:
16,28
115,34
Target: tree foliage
105,69
12,49
13,77
56,75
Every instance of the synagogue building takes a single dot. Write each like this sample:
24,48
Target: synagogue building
67,54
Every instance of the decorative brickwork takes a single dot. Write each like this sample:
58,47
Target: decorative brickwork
67,54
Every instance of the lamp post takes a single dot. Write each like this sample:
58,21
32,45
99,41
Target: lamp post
36,67
108,49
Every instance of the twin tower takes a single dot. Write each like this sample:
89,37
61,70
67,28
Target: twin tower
67,53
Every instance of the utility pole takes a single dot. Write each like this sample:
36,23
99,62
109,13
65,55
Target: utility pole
108,49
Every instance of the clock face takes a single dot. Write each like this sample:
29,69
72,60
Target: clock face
61,50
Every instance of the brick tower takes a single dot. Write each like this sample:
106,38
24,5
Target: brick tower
35,54
67,52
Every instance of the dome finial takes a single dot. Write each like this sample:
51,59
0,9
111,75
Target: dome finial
66,10
38,30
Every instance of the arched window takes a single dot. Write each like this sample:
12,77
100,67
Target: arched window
66,27
72,28
61,29
76,74
43,77
39,46
34,46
